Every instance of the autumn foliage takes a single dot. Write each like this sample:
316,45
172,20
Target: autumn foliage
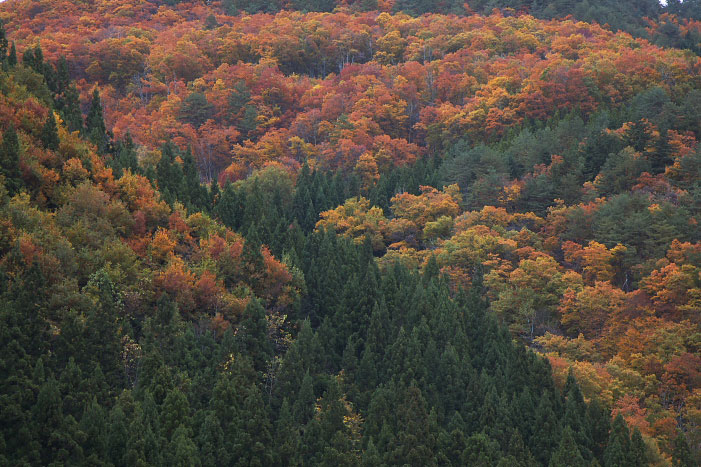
549,167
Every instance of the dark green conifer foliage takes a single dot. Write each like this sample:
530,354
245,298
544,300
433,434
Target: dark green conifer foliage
94,424
210,22
175,413
567,454
195,194
617,451
371,457
211,441
34,58
182,451
49,133
9,161
681,454
69,107
214,194
305,403
196,109
169,174
125,157
599,421
95,128
252,335
256,6
419,7
314,5
238,98
415,440
480,450
102,326
638,449
3,46
575,415
12,57
287,437
71,384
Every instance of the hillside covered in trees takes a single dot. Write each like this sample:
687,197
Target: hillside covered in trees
350,233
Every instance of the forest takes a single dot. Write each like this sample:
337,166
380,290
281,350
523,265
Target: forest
370,232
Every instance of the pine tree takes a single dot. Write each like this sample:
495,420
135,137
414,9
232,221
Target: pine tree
117,437
638,449
195,194
95,127
371,456
599,421
230,7
257,441
3,45
12,57
252,335
305,401
287,437
182,451
47,416
69,108
196,109
63,77
34,58
681,454
175,413
49,133
567,454
314,5
214,195
9,161
125,157
93,424
575,416
617,451
211,441
102,326
415,439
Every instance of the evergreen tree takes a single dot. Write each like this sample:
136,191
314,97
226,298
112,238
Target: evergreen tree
567,454
182,451
314,5
214,194
599,421
252,335
617,451
169,174
95,128
175,413
93,424
12,57
125,157
415,440
305,402
195,193
3,46
102,326
287,437
211,442
638,449
69,108
681,454
49,133
34,58
9,161
196,109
